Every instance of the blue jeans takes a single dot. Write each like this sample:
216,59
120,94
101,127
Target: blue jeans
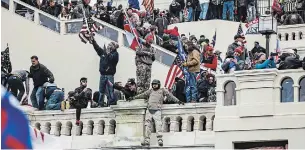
204,9
106,88
53,103
191,89
190,14
37,98
228,6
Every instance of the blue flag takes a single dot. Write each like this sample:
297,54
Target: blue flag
15,131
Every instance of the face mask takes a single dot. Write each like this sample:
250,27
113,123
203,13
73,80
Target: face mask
239,43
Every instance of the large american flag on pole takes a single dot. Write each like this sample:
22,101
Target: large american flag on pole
149,5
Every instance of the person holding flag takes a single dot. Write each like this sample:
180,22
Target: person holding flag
193,64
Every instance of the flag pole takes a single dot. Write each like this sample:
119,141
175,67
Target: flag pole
86,21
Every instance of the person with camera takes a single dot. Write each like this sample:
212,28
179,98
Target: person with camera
262,63
79,98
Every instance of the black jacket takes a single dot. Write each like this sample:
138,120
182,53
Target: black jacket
108,61
41,74
82,97
169,47
258,49
127,92
180,92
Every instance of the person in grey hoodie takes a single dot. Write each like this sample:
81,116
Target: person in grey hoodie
144,59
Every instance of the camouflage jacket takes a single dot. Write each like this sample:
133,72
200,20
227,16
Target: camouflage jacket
145,55
155,98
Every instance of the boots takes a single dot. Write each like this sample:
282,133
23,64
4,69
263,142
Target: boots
146,142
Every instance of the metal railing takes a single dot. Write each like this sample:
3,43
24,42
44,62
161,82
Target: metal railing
64,27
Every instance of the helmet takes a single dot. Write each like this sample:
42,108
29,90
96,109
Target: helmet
155,81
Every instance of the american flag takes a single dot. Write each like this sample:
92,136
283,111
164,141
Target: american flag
149,5
176,70
84,31
214,39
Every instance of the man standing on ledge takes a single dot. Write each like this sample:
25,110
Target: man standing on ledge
109,58
40,75
144,59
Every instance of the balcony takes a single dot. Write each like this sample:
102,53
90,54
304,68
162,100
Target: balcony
122,125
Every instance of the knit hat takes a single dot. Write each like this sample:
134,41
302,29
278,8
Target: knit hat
165,38
239,50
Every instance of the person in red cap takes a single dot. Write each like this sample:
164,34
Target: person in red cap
174,34
238,41
209,59
145,56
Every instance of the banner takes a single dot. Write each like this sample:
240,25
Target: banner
252,27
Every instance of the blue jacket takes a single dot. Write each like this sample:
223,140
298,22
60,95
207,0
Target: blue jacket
108,61
267,64
134,4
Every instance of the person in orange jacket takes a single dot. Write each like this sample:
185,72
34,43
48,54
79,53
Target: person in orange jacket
209,59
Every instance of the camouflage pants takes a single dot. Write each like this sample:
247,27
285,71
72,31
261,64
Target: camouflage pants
150,115
143,77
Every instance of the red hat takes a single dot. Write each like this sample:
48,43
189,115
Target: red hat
209,48
239,49
149,39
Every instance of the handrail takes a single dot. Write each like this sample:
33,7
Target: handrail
37,10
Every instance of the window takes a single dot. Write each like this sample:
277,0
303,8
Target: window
287,90
302,90
230,94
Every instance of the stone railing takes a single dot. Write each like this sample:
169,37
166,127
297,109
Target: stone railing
64,27
123,120
291,32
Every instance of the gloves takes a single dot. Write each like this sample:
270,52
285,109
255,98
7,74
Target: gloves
181,103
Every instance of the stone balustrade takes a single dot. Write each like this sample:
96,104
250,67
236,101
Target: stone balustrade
124,119
291,32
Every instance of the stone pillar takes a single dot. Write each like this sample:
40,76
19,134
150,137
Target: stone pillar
296,91
120,38
129,117
36,17
11,6
208,124
173,126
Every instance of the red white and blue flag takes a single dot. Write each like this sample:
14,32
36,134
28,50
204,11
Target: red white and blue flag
132,36
15,131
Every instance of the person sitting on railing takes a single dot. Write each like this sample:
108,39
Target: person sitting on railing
293,18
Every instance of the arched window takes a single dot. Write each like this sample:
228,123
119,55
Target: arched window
287,90
230,94
302,90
